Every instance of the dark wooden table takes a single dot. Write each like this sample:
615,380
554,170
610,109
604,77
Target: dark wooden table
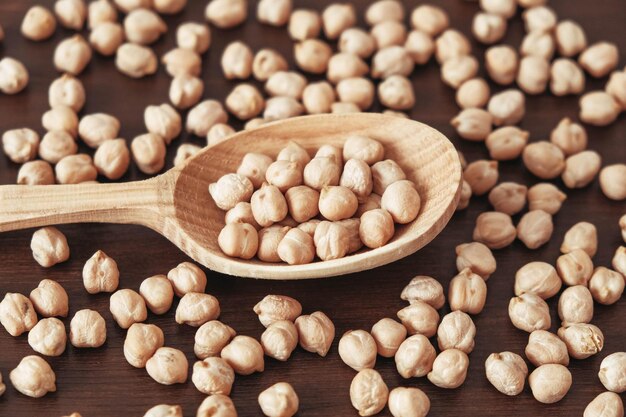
100,382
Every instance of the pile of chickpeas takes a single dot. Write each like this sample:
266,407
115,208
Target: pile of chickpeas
292,208
272,207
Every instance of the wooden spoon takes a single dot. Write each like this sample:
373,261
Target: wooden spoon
177,204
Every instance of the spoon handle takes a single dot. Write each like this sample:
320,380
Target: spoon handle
24,206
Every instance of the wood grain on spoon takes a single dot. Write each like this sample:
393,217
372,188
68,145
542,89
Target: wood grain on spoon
177,204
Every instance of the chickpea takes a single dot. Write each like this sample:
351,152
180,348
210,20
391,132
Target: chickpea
100,274
599,59
17,314
280,339
481,175
254,166
539,18
357,349
546,197
143,26
285,84
384,10
544,159
269,239
385,173
20,145
345,65
169,6
539,278
506,143
332,240
13,76
322,172
389,33
274,12
38,24
336,18
420,46
529,312
56,145
268,205
96,128
449,369
488,28
507,107
158,293
213,376
550,383
494,229
3,387
148,152
450,44
219,133
87,329
570,38
466,195
187,277
575,267
388,335
534,74
279,108
456,331
181,61
67,90
566,77
598,108
501,63
607,403
226,14
582,235
371,202
396,92
337,203
61,118
613,372
576,305
535,228
357,90
313,56
195,309
244,354
424,289
376,228
357,42
473,93
168,366
581,169
408,402
241,213
544,348
217,405
569,136
193,36
49,247
50,299
211,338
245,102
284,175
606,285
392,60
296,247
237,61
141,343
100,11
72,55
295,153
136,61
477,257
538,43
507,372
33,377
473,124
429,19
279,400
613,181
127,6
127,307
504,8
615,87
318,97
106,38
309,227
467,292
163,410
315,332
231,189
419,318
164,121
415,357
368,392
508,197
402,201
204,116
582,339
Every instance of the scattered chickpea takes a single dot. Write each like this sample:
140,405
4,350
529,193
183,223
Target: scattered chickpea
545,196
566,77
72,55
226,14
501,63
419,318
345,65
195,309
466,195
544,159
158,293
279,108
219,133
392,60
143,26
388,335
141,343
429,19
312,56
473,124
169,6
529,312
38,24
506,143
280,339
613,372
507,107
279,400
539,18
508,197
205,115
456,331
616,87
598,108
424,289
389,33
538,43
211,338
450,44
168,366
415,357
112,158
269,239
127,6
237,61
67,90
507,372
193,36
244,354
357,349
106,38
613,181
17,314
127,307
481,175
477,257
164,410
100,11
473,93
20,145
575,305
358,42
49,247
534,74
494,229
13,76
535,228
87,329
599,59
581,169
187,277
245,102
582,339
582,235
569,136
368,392
336,18
575,267
180,61
539,278
570,38
606,285
33,377
545,348
213,375
304,24
420,46
315,332
504,8
61,118
148,152
408,402
56,145
217,403
449,369
100,273
274,12
607,403
384,10
50,299
488,28
136,61
467,292
318,97
35,173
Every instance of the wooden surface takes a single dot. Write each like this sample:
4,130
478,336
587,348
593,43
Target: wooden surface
100,382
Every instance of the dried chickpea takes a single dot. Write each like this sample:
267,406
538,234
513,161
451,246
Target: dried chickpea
244,354
56,145
318,97
193,36
616,87
575,267
245,102
274,12
322,172
535,228
606,286
284,175
127,6
429,19
100,273
158,293
49,247
544,348
368,392
570,38
538,43
357,90
508,197
488,28
466,195
169,6
384,10
143,26
419,318
357,349
408,402
544,159
598,108
20,145
13,76
402,201
533,74
569,136
195,309
540,18
72,55
371,202
269,239
217,405
613,181
550,383
274,308
354,240
358,42
312,55
211,338
415,357
345,65
315,332
388,335
566,77
581,169
545,196
613,372
310,226
67,90
136,61
336,18
332,240
507,372
529,312
392,60
106,38
38,24
187,277
337,203
420,46
396,92
504,8
50,299
539,278
582,339
477,257
285,84
605,404
239,240
181,61
61,118
280,339
582,235
385,173
96,128
501,63
100,11
507,107
450,44
184,152
474,92
237,61
33,377
219,133
467,292
481,175
304,24
425,289
148,152
388,33
142,341
599,59
241,213
226,14
87,329
376,228
456,331
449,369
506,143
473,124
296,247
17,314
279,108
205,115
168,366
127,307
213,376
268,205
495,230
576,305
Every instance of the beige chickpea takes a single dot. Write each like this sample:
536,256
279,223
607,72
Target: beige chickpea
392,60
576,305
285,84
205,115
449,369
274,308
127,307
96,128
148,151
296,247
389,33
544,348
357,90
494,229
569,136
136,61
337,203
385,173
100,11
354,240
213,376
336,18
13,76
193,36
501,63
106,38
304,24
429,19
582,235
302,202
195,309
504,8
158,293
17,314
279,400
368,392
456,331
295,153
237,61
332,240
622,224
218,133
318,97
415,357
280,339
309,226
481,175
33,377
545,196
211,338
613,372
38,24
540,18
467,292
217,405
357,349
488,28
284,175
244,354
477,257
141,343
419,318
606,285
371,202
239,240
402,201
226,14
396,92
245,102
50,299
506,143
473,124
539,278
466,195
315,332
127,6
566,77
570,38
358,42
87,329
420,46
168,366
61,118
535,228
363,148
425,289
507,372
529,312
56,145
550,383
575,267
269,239
450,44
384,10
599,59
388,335
49,247
544,159
582,339
143,26
507,107
100,274
534,74
508,197
268,205
72,55
613,181
376,228
538,43
598,108
312,55
473,93
67,91
20,145
345,65
112,158
3,387
616,87
230,189
279,108
322,172
581,169
180,61
169,6
408,402
241,213
274,12
605,404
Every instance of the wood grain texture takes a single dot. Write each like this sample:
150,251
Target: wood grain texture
100,383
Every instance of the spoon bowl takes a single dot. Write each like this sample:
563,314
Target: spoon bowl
177,203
